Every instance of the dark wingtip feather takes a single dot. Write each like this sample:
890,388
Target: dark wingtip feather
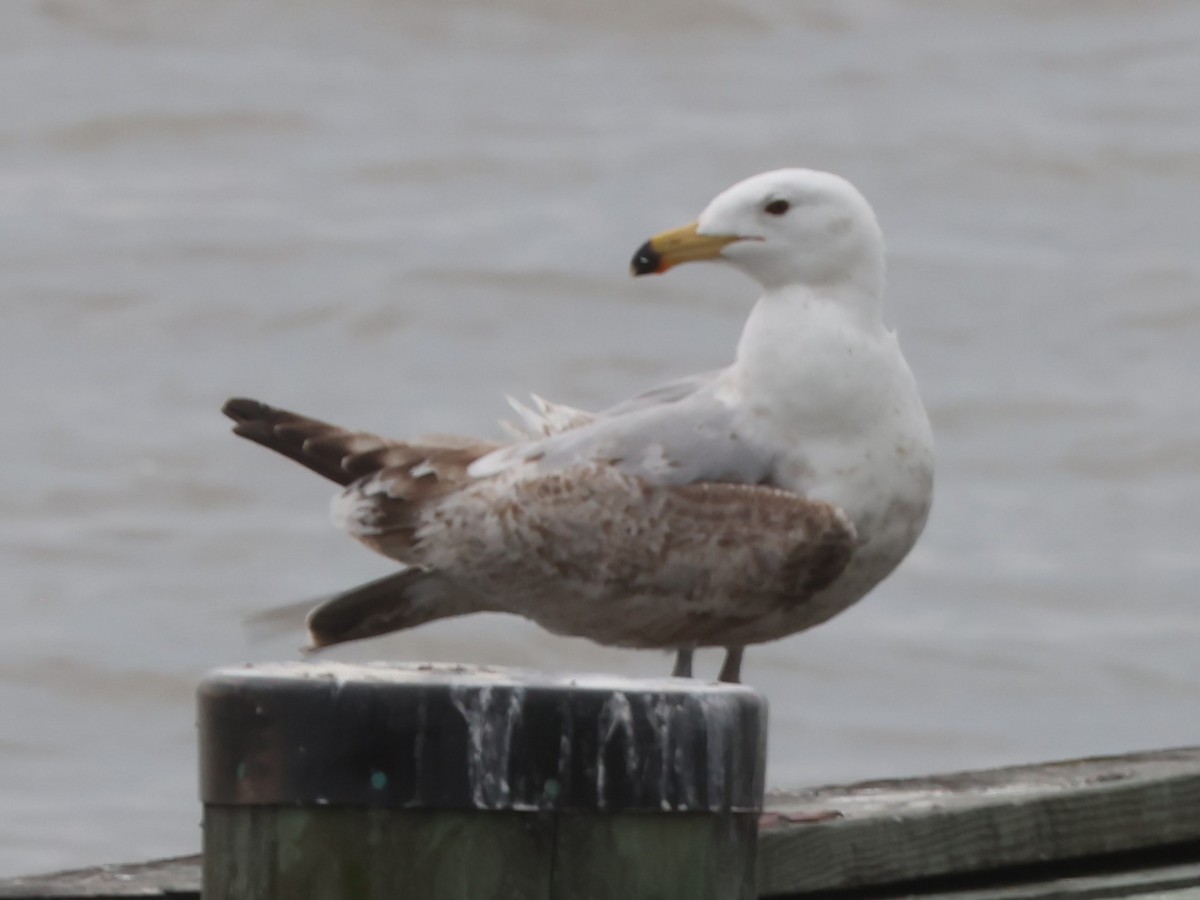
395,602
252,419
288,434
243,409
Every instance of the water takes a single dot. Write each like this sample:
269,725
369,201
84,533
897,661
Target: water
390,213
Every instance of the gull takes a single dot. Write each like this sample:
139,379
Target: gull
725,509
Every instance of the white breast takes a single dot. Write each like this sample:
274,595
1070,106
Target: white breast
836,395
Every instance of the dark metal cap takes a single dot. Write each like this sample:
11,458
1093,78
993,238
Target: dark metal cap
469,737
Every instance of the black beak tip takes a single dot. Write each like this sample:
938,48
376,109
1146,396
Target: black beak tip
646,261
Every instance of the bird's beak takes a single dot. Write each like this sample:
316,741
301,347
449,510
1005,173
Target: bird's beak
680,245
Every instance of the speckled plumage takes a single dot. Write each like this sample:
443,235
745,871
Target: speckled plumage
724,509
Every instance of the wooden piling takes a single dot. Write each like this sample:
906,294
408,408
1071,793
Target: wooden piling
338,781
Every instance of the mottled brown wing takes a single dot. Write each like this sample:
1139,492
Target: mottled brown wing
600,554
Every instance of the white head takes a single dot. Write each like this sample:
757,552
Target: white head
782,228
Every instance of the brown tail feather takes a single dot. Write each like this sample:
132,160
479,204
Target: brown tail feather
345,456
325,449
394,603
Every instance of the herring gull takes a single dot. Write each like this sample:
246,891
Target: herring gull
725,509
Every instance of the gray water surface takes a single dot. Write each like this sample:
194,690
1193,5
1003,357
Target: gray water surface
389,214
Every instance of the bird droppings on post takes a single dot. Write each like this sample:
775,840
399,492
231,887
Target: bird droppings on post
615,716
671,742
490,729
560,773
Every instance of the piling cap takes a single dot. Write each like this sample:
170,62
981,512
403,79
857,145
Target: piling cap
434,736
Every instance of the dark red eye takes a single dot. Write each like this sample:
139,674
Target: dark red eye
777,207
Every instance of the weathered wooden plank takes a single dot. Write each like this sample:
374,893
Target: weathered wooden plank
330,852
221,866
1154,882
889,832
177,878
883,832
617,857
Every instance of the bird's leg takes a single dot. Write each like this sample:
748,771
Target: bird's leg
731,671
683,663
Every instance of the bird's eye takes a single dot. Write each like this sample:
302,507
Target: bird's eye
777,207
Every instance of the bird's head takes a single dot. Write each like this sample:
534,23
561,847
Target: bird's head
786,227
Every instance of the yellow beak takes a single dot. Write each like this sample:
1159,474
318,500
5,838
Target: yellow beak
680,245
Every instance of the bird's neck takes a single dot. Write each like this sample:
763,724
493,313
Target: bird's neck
796,320
815,357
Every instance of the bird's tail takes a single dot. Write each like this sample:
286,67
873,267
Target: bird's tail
346,456
336,453
395,602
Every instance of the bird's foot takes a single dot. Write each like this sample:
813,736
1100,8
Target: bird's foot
683,663
731,671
